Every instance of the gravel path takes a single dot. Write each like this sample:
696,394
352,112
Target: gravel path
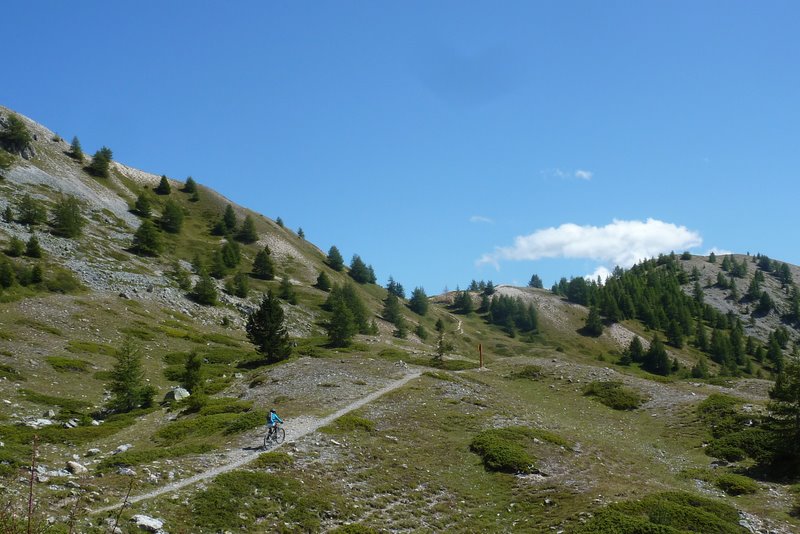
301,426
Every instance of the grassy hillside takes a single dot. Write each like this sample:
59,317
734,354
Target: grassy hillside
554,433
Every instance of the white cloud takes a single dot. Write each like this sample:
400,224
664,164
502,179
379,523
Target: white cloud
622,243
601,271
480,219
584,175
718,251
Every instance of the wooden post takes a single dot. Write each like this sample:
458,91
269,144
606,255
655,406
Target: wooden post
480,353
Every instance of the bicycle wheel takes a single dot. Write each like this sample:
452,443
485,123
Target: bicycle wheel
280,435
267,440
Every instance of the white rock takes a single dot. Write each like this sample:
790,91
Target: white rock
92,452
75,468
145,522
126,471
122,448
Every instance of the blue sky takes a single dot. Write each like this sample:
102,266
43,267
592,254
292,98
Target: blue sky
444,141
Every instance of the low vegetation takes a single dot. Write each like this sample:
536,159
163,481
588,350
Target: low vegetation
614,395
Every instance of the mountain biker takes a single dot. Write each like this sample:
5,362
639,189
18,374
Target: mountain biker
272,421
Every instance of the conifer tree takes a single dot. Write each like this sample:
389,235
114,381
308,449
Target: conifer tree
190,186
240,287
205,291
128,388
323,282
656,360
172,217
229,219
700,336
191,379
15,138
32,248
37,274
247,233
784,417
334,259
267,331
101,162
217,266
16,247
396,288
358,270
75,150
391,308
712,258
163,187
536,282
301,234
419,301
67,218
263,267
8,214
342,325
31,211
143,206
147,239
286,291
594,323
700,369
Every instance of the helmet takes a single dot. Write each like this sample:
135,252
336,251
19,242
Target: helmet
272,410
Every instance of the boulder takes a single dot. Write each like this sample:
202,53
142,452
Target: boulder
176,394
145,522
75,468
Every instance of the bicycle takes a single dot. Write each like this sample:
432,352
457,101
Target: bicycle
275,436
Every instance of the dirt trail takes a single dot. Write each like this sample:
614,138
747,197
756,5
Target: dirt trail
299,427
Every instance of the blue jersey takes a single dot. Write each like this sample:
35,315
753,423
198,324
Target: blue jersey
273,418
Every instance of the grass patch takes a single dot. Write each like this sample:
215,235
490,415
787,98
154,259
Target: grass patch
68,365
138,332
529,372
73,405
395,355
90,347
200,338
225,405
137,457
438,375
614,395
10,373
276,504
665,513
6,336
203,426
349,423
272,459
734,484
36,325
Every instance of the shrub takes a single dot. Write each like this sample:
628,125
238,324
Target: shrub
68,365
502,449
272,459
354,529
137,457
349,423
756,443
530,372
614,395
734,484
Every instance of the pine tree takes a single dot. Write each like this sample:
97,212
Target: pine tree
439,325
143,206
229,219
784,417
358,270
263,267
231,254
700,336
396,288
37,274
31,211
301,234
16,247
32,248
240,287
286,291
190,186
147,239
172,217
267,331
391,308
700,369
323,282
163,187
8,214
67,218
205,291
101,162
75,150
217,267
191,379
536,282
712,258
656,360
247,233
594,323
334,259
419,301
128,387
342,325
279,222
15,138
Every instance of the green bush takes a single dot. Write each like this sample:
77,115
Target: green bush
665,513
503,449
10,373
68,365
208,425
349,423
90,347
755,443
137,457
530,372
354,529
439,375
225,405
62,281
734,484
720,413
614,395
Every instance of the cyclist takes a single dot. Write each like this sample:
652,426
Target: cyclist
272,422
